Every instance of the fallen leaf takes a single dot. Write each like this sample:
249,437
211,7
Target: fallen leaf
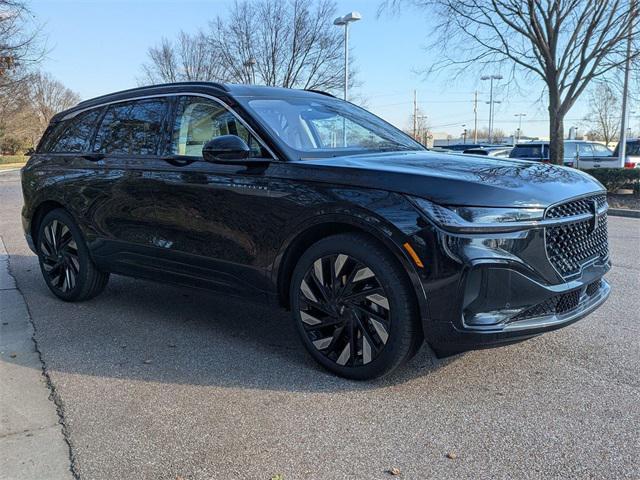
394,471
452,455
278,476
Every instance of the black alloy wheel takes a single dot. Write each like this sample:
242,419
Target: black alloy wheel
64,259
345,310
354,307
59,255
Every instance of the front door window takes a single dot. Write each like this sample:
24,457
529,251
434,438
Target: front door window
199,120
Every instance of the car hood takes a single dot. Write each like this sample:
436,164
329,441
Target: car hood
451,179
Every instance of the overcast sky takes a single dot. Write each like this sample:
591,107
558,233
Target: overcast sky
97,47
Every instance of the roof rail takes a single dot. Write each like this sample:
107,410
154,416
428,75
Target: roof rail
218,85
321,92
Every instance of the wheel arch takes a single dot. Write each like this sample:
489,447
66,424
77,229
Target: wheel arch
325,227
39,213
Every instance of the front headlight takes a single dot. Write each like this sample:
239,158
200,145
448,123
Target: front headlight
480,219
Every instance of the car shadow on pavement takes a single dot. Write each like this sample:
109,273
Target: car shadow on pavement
148,331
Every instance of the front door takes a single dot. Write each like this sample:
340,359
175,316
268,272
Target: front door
212,219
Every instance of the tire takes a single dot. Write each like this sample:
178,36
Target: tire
369,308
64,259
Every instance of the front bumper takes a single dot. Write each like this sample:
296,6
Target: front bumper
489,290
447,338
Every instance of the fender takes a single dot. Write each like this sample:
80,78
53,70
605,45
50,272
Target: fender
363,220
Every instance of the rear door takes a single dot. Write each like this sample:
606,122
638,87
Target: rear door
113,192
594,155
603,157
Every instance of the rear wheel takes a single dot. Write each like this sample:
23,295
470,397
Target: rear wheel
64,259
354,307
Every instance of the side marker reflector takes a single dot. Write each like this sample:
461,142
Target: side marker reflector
413,254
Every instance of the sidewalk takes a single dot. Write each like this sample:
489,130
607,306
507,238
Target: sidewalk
31,439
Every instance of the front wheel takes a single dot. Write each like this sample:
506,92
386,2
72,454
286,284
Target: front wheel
64,259
354,308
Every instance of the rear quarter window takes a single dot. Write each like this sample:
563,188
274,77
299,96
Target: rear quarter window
73,135
633,149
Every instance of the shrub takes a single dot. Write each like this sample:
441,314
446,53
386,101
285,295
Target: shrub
614,179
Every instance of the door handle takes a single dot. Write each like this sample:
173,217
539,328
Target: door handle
93,157
179,160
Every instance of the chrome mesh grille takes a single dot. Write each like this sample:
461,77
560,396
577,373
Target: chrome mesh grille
571,246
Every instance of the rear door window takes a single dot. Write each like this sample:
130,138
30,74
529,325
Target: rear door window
132,128
600,150
73,135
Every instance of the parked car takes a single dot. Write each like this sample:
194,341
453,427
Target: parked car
632,151
577,153
502,152
373,242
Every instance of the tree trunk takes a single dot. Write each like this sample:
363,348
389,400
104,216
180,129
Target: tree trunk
556,130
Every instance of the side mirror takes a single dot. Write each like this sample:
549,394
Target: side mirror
226,149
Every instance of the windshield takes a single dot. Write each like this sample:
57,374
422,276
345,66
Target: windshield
328,127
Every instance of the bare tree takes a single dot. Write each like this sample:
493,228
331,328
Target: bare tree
48,97
497,135
20,48
190,58
27,108
290,43
603,119
567,43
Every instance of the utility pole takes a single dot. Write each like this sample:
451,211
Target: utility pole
475,117
415,114
622,149
491,78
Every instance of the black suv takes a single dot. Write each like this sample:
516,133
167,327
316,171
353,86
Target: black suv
309,202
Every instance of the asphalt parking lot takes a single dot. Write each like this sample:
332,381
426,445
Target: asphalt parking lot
163,382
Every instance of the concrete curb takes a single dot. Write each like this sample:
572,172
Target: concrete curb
32,434
624,212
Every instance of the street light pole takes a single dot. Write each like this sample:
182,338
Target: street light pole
475,117
622,145
491,78
345,21
519,115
